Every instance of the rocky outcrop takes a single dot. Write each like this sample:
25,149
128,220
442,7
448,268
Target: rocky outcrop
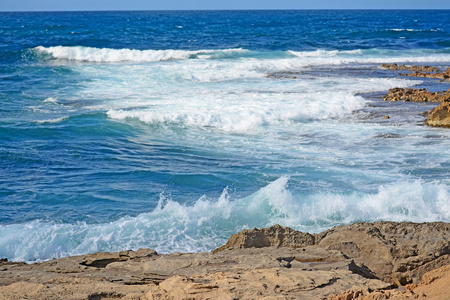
420,71
276,262
416,95
414,68
276,236
393,251
433,286
390,251
439,75
440,116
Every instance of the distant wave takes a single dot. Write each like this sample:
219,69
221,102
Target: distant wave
414,30
315,57
371,56
324,53
91,54
208,223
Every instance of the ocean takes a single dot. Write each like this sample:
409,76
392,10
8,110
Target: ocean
172,130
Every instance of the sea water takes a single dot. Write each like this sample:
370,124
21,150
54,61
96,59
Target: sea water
173,130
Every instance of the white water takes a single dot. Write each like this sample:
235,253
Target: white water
208,223
317,57
90,54
230,103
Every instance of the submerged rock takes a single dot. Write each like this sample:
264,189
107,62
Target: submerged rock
440,116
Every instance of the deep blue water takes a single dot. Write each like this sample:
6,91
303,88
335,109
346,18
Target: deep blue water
174,129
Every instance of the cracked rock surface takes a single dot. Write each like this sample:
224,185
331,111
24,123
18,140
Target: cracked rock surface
276,262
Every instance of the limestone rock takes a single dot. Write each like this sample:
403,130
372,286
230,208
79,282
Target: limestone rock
440,116
276,235
386,247
387,250
433,286
414,68
416,95
276,263
102,259
439,75
420,71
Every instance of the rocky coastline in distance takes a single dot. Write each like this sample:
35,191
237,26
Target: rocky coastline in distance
437,117
381,260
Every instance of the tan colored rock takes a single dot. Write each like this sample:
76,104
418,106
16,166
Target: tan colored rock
274,283
433,286
416,95
388,250
440,116
276,236
414,68
420,71
390,247
344,258
439,75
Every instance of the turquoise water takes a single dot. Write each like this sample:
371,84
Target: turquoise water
173,130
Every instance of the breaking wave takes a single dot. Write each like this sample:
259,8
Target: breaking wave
316,57
208,223
91,54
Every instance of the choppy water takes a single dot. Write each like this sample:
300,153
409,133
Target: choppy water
173,130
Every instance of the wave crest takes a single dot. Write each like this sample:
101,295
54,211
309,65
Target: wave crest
91,54
208,223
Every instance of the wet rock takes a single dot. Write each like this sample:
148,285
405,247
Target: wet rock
416,95
414,68
440,116
439,75
420,71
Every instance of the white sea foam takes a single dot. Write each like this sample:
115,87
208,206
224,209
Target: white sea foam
316,57
238,109
229,95
254,111
369,56
324,53
50,100
57,120
413,30
91,54
207,223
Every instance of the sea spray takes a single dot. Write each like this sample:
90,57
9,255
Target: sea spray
208,223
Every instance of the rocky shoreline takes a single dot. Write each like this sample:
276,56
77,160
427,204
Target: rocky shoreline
381,260
437,117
